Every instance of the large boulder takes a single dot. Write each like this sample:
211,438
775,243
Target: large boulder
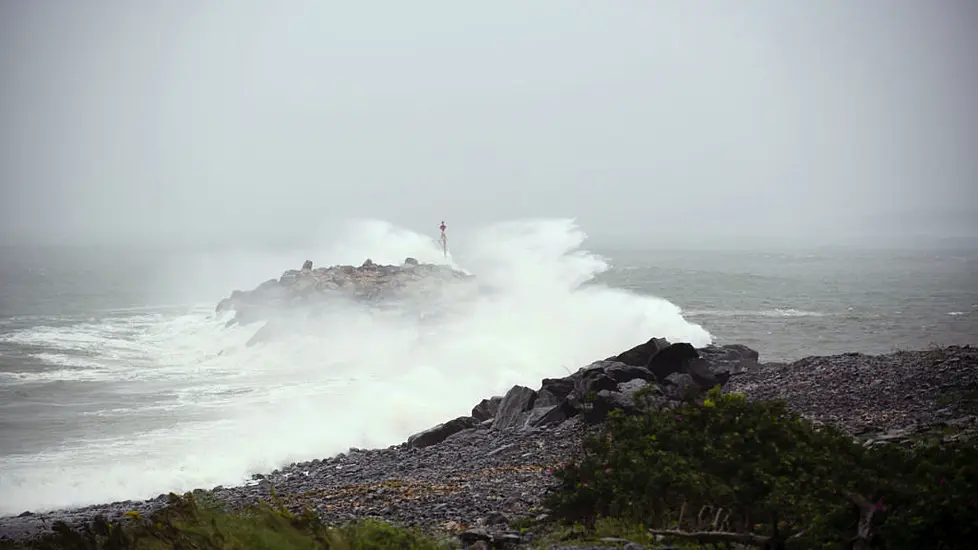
699,370
568,408
650,376
620,372
680,386
518,399
640,355
486,408
553,391
439,433
672,359
729,360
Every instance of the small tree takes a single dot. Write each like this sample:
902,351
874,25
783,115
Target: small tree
728,469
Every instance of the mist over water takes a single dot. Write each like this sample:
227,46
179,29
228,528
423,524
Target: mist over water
168,398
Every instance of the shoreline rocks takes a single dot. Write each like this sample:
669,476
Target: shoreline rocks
873,394
311,288
470,471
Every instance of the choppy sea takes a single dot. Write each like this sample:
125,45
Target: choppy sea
118,380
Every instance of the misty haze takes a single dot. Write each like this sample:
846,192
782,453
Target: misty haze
800,178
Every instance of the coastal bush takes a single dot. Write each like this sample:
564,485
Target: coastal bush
728,470
186,523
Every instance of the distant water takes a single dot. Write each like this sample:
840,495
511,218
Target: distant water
791,305
117,380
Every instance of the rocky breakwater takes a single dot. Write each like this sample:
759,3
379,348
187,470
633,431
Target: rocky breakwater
308,291
474,475
655,374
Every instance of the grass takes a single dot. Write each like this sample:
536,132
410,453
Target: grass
188,524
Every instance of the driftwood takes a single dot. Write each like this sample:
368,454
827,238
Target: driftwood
714,537
862,541
864,532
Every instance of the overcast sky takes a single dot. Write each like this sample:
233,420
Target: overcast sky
649,121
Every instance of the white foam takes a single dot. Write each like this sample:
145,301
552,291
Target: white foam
776,312
354,378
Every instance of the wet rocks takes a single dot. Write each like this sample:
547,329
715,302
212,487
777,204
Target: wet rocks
672,359
612,384
729,360
486,409
640,355
441,432
550,416
553,391
517,400
872,393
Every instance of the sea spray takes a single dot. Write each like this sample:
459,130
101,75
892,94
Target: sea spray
210,410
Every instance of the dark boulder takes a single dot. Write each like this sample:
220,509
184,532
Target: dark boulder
729,360
620,372
699,369
516,401
551,416
680,386
553,391
594,381
307,265
647,396
640,355
606,401
671,360
486,408
730,352
439,433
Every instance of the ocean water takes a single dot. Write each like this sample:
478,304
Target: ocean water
118,380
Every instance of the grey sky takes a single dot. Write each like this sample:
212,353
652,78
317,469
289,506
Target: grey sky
651,122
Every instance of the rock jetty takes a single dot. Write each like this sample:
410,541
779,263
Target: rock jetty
310,288
475,475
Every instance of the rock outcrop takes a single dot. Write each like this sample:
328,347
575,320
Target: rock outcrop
870,396
655,374
370,282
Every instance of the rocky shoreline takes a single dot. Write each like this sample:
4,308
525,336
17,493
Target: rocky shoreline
475,474
309,289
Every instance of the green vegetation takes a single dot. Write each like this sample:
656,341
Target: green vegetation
188,524
725,470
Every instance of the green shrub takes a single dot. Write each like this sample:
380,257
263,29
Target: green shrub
187,524
728,465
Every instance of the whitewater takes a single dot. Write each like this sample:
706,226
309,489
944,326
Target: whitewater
169,399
